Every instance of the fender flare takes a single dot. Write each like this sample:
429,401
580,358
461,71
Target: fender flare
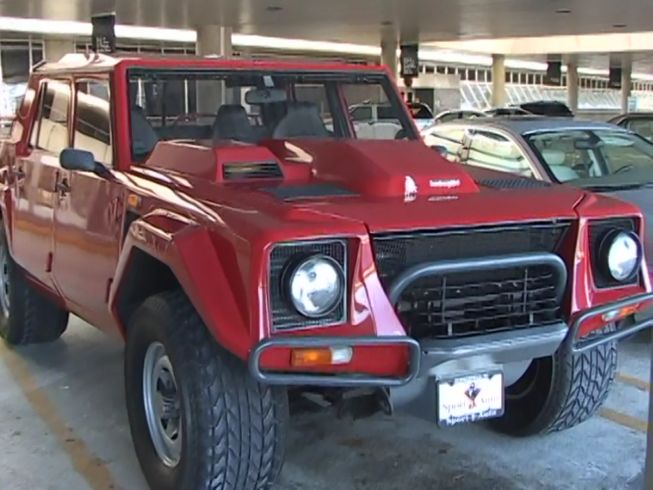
187,249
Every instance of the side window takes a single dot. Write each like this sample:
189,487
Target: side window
642,126
448,141
496,152
93,120
51,131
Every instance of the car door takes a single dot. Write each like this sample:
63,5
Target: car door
90,208
37,171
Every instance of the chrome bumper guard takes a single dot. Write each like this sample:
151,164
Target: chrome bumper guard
581,345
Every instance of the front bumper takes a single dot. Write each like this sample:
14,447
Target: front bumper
428,358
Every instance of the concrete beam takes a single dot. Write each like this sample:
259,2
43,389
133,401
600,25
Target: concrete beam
499,95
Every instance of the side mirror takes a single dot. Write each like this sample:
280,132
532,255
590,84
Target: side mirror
73,159
442,150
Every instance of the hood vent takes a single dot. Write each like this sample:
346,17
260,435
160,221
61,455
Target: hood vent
251,170
512,183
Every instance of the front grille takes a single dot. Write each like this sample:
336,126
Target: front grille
284,315
462,304
597,231
459,304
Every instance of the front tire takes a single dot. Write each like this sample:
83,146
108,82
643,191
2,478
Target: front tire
26,315
559,392
197,418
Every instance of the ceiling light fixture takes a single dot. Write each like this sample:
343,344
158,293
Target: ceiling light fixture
619,26
563,11
274,8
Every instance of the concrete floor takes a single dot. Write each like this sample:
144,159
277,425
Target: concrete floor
63,426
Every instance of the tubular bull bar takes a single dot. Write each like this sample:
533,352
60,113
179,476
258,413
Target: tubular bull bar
502,347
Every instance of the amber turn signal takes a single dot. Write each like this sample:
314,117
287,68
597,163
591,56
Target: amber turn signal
321,356
619,314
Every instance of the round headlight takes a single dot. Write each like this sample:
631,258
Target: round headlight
621,254
315,286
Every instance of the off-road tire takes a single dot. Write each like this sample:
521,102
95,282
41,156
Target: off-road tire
233,428
32,317
565,390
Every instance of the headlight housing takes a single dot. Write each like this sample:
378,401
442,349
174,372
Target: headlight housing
620,253
315,286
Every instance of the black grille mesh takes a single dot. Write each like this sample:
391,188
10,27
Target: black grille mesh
284,316
597,231
461,304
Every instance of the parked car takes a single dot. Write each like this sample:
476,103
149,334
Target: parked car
263,251
453,115
639,122
370,118
552,108
595,156
422,114
506,111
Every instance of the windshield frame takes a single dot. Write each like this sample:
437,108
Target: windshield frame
340,111
586,182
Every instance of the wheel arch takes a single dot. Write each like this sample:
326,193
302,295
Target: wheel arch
163,253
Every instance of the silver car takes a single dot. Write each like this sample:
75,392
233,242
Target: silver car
597,156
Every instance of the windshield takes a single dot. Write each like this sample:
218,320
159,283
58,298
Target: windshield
253,106
597,157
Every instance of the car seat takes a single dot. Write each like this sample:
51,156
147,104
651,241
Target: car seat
232,123
144,137
301,121
556,160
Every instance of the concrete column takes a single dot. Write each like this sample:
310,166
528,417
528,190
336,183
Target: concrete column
55,49
626,82
215,41
499,96
389,47
572,86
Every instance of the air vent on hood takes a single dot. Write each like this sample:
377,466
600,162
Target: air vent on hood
251,170
512,183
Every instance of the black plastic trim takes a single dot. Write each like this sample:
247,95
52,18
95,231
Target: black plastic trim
338,379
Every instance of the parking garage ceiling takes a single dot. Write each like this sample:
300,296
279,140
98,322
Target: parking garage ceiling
361,21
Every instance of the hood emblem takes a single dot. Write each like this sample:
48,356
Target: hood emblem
410,189
444,183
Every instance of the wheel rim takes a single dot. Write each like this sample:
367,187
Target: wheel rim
4,281
162,405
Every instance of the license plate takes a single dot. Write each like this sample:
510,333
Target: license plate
470,398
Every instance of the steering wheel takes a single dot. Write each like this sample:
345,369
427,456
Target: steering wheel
623,169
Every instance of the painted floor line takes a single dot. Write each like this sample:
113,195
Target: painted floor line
633,381
91,468
623,419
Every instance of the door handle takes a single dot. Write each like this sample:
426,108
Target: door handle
62,187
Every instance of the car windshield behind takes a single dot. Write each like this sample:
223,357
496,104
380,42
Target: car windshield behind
420,111
595,158
251,106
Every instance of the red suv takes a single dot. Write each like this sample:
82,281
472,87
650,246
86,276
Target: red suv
226,219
